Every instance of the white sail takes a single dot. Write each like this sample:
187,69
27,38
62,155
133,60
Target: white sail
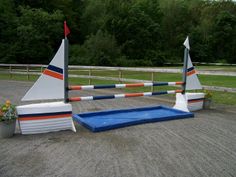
181,102
186,43
50,84
192,81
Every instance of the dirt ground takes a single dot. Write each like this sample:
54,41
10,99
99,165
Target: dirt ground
200,146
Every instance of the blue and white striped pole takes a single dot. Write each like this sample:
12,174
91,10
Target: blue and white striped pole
127,95
91,87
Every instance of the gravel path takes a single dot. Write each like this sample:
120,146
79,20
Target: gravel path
202,146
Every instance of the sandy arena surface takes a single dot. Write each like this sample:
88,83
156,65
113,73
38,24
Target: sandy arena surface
201,146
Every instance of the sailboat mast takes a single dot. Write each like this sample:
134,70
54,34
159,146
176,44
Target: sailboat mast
185,67
66,58
184,79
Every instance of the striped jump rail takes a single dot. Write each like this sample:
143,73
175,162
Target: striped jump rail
151,84
127,95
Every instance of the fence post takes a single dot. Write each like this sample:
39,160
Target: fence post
27,71
42,68
152,79
120,76
10,70
90,73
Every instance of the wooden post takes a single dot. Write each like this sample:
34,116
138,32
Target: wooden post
41,68
152,79
90,73
27,71
10,70
120,76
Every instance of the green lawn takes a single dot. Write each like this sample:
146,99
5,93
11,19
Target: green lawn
217,68
18,77
218,97
211,80
224,98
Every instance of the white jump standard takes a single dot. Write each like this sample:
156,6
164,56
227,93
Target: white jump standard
54,116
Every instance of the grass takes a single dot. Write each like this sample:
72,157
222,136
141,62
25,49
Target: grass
218,97
211,80
217,68
223,81
224,98
18,77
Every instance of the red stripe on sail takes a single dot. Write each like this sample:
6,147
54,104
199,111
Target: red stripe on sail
53,74
191,73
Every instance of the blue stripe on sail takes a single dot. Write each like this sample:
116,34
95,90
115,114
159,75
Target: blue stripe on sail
45,114
190,69
103,97
104,86
55,69
159,93
160,83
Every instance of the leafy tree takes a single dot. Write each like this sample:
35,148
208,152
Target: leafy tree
126,33
225,31
38,34
136,28
214,37
100,49
7,31
93,17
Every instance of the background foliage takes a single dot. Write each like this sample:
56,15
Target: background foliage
118,33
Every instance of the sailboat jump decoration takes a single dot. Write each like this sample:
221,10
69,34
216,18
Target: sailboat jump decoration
53,84
50,116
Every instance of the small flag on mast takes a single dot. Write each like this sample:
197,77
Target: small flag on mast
66,29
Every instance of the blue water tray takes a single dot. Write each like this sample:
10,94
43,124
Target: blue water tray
111,119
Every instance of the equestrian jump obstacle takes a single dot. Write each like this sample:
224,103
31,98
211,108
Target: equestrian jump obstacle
55,116
91,87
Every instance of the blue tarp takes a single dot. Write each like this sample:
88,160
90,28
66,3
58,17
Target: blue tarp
111,119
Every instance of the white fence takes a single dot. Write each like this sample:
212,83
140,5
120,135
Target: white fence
36,69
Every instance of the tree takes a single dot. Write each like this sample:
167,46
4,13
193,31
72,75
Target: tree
8,25
136,28
100,49
225,33
38,35
141,32
214,37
